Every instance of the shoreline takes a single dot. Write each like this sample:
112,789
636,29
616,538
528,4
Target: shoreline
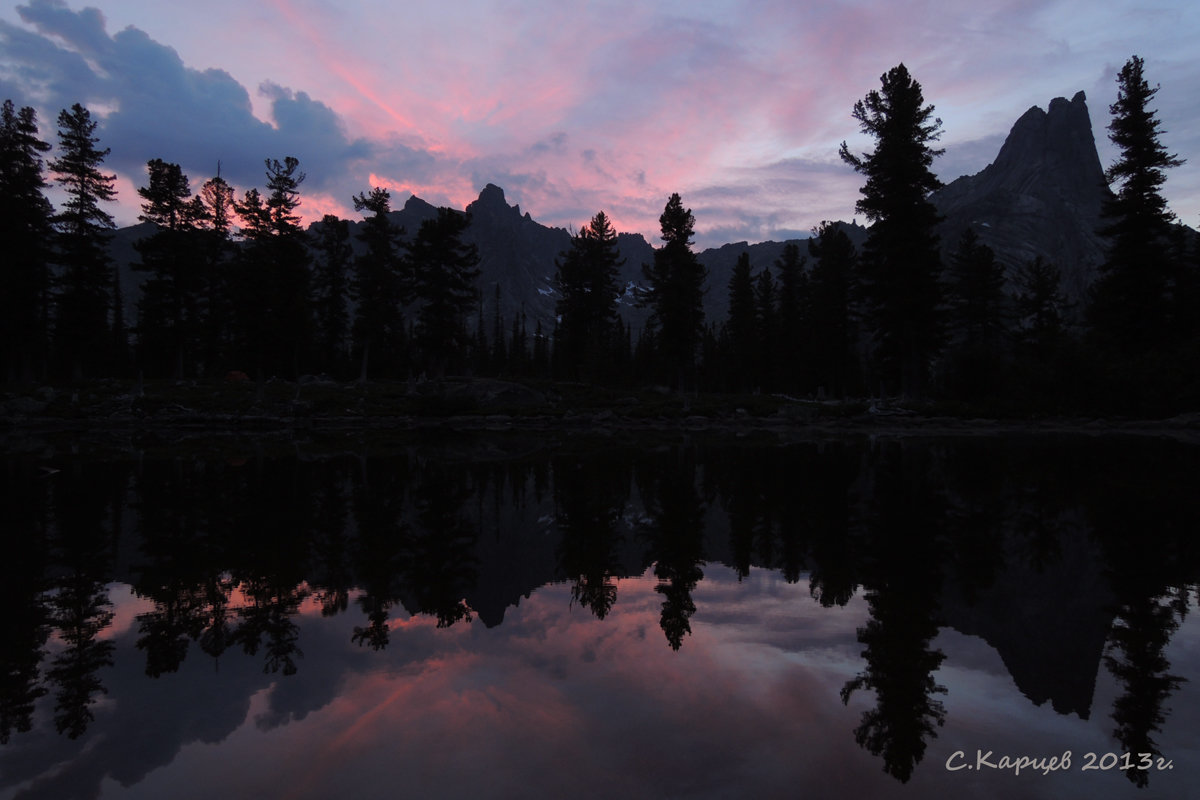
485,405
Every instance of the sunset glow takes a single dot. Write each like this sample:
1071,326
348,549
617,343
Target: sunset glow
571,109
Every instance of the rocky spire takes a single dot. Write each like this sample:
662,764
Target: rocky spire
1041,196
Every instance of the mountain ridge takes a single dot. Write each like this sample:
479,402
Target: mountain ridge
1041,196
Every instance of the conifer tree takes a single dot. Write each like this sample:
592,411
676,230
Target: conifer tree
793,294
831,288
499,359
331,317
676,291
977,318
170,327
216,246
272,281
901,267
1040,309
444,273
25,231
83,329
381,285
766,330
586,280
1131,308
740,343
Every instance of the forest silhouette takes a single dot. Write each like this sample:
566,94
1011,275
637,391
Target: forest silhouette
235,286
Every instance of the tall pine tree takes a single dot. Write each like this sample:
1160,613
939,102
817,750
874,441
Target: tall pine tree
83,328
831,318
170,327
741,352
444,272
901,265
1132,309
381,284
330,289
216,246
676,292
793,303
271,284
977,318
766,330
586,278
25,231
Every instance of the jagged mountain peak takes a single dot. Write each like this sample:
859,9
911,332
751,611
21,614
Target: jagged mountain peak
1042,195
419,207
1058,139
491,203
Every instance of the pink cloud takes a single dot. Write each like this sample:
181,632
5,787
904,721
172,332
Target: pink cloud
447,98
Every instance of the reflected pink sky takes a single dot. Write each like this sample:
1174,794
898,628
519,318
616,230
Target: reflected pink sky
555,703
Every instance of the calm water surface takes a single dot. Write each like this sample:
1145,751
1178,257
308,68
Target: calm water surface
684,617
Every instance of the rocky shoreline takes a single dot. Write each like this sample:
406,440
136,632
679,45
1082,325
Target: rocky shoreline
489,405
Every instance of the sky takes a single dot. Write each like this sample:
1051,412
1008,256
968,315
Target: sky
576,107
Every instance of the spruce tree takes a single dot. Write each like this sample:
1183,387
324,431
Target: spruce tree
740,345
381,285
444,273
977,317
499,359
330,271
766,330
1131,306
676,291
1040,310
216,246
831,318
170,327
272,281
586,278
83,329
25,230
793,294
901,265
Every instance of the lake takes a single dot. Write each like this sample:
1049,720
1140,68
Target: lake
568,615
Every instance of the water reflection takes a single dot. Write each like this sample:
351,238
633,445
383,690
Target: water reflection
1065,555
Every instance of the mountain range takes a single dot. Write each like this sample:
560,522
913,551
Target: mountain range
1040,197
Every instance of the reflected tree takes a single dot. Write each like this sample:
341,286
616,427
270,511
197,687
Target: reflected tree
441,565
903,585
381,545
589,498
1136,658
274,529
79,607
331,554
24,626
828,501
171,568
217,634
1145,493
269,618
675,535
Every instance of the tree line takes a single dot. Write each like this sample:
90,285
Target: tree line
235,284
